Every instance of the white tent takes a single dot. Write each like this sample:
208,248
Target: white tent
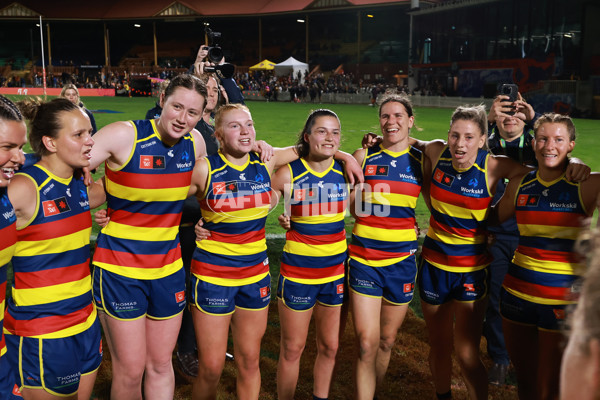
291,65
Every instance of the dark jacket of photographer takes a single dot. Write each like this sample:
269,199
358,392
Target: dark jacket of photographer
520,150
234,94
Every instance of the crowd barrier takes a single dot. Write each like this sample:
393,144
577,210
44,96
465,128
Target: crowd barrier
333,98
365,98
30,91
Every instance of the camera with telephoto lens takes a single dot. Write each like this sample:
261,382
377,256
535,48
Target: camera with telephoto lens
215,55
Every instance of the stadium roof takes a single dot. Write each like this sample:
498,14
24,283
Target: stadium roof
118,9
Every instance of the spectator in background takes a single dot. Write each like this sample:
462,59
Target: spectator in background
155,111
71,93
509,135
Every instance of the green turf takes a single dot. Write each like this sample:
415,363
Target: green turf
279,123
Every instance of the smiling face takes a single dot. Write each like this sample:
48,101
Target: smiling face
510,127
181,112
235,132
72,96
395,125
464,140
552,145
324,138
13,136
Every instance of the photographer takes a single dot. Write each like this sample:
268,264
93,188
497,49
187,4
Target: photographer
211,59
510,133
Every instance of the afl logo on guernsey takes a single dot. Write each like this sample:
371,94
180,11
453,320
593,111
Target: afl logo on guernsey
379,170
528,200
152,162
55,207
443,178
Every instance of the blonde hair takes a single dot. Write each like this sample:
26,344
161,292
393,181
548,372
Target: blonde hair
67,87
224,109
475,114
553,118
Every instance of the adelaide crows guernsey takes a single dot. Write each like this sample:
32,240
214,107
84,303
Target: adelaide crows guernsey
385,235
8,239
234,207
550,216
460,199
315,247
52,287
145,200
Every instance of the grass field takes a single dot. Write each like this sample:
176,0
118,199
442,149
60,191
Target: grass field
279,124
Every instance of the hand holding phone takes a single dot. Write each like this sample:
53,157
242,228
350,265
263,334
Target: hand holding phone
512,91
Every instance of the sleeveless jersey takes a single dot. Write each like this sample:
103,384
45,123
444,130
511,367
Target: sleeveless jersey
550,216
386,234
52,287
8,239
315,247
234,207
145,199
460,200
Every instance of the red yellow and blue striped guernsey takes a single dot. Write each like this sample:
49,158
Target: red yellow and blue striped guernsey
234,207
315,247
550,216
145,200
385,235
52,288
460,200
8,239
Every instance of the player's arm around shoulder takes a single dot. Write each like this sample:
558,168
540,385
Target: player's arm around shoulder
502,167
359,155
281,185
23,197
505,207
590,193
199,144
96,193
281,157
199,178
427,167
113,143
432,149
